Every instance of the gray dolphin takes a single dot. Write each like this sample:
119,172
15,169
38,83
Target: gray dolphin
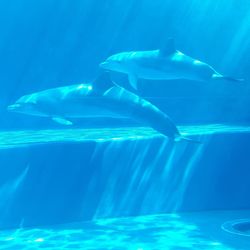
164,64
102,98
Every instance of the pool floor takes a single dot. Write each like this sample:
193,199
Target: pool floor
201,231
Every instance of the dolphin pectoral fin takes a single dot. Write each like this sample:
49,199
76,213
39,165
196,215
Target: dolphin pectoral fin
133,80
62,121
228,78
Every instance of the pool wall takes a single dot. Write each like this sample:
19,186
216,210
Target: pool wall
64,182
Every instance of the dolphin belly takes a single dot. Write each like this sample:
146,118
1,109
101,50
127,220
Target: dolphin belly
86,107
169,68
153,74
91,112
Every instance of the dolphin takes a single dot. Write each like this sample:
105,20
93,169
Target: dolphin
102,98
163,64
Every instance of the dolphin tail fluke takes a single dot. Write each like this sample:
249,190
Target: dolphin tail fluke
227,78
183,138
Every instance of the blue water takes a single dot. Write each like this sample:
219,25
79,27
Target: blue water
116,184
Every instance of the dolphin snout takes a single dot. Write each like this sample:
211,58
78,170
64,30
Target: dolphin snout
13,107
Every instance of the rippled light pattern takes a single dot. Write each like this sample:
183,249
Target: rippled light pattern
25,137
153,232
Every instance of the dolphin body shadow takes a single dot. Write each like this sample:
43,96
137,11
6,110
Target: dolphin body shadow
163,64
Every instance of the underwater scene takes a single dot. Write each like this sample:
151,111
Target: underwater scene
125,125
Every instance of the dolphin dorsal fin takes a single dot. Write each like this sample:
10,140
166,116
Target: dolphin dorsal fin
168,48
